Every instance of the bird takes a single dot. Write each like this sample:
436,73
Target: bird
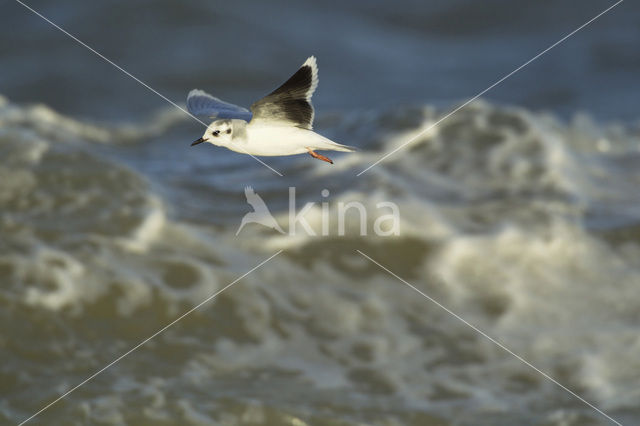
279,124
260,213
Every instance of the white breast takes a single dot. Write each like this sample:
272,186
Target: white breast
271,140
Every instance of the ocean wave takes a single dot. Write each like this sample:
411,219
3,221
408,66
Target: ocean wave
501,218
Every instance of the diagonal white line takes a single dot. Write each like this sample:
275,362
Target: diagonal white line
135,78
413,138
476,329
91,377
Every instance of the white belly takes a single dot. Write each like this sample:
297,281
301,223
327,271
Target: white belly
278,140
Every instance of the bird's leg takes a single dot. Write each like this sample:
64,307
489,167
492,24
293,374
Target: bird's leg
319,156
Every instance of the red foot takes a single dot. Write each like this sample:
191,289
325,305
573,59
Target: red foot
319,156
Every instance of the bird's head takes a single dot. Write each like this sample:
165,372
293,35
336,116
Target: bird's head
218,133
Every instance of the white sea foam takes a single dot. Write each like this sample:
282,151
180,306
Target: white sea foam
494,213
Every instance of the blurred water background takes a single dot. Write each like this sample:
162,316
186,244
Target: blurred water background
521,213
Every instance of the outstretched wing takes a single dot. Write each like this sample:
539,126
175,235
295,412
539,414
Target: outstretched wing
255,201
291,102
201,103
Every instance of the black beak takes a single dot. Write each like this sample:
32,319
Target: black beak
199,141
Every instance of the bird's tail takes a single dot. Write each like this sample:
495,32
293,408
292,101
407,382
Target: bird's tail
329,145
343,148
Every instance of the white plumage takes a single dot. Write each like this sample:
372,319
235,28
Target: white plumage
279,124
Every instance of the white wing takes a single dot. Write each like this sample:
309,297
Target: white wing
201,103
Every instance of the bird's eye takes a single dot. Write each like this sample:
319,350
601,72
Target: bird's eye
228,131
215,132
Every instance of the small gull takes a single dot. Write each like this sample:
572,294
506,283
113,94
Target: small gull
279,124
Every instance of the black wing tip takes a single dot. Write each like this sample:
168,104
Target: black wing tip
302,83
292,100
